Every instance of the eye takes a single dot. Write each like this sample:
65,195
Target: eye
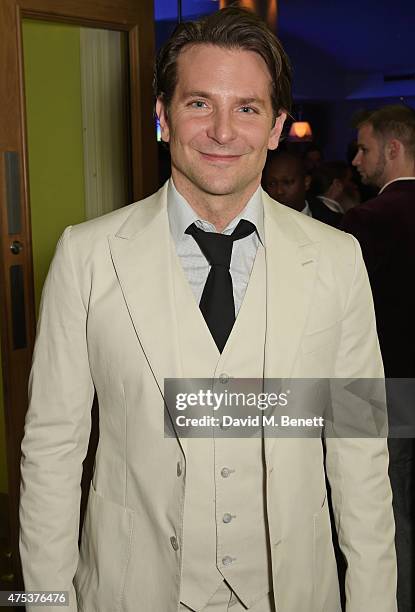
198,104
247,110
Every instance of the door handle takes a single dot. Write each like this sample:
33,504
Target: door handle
16,247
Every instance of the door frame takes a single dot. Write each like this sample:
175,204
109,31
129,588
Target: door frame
133,17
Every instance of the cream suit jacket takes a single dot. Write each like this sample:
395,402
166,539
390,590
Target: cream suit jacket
109,321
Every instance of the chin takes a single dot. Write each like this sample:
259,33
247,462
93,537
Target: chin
219,186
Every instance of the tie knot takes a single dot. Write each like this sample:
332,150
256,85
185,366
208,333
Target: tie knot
217,248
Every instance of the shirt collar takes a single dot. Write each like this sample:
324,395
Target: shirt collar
401,178
307,210
332,204
181,215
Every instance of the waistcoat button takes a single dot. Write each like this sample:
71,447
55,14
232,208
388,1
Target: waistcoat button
174,543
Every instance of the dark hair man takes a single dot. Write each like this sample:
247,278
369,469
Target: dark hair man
334,185
285,179
313,158
208,278
385,227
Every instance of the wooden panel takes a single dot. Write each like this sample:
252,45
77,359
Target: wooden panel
117,11
144,151
16,363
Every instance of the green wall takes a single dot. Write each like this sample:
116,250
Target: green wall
54,126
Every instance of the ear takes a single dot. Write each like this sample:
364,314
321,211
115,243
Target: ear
275,134
161,113
393,148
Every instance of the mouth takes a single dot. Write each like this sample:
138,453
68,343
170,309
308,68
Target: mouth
216,158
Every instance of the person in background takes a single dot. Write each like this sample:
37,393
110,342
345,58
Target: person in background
366,191
313,158
332,183
385,228
285,179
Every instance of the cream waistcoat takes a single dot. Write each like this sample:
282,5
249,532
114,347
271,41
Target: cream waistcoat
224,528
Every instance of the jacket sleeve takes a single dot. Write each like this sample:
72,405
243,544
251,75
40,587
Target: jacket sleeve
357,468
57,429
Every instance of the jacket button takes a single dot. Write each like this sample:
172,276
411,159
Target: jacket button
224,378
225,472
174,543
227,560
227,517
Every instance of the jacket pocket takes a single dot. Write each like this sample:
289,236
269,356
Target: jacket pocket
104,554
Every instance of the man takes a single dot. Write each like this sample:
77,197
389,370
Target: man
203,524
313,158
333,184
385,227
285,180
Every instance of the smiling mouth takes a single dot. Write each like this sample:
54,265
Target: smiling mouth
219,158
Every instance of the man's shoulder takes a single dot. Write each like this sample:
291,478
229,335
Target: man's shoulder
400,191
334,245
119,221
112,222
396,200
321,212
312,228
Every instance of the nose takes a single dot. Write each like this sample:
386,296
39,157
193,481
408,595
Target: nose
221,127
279,189
356,159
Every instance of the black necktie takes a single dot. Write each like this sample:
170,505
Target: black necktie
217,304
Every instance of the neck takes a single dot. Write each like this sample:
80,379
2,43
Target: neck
332,195
219,210
405,168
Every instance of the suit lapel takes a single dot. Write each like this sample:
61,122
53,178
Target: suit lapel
142,255
292,260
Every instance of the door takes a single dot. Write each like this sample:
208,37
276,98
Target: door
77,139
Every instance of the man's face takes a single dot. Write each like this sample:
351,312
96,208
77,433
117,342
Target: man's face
286,182
370,159
220,121
312,160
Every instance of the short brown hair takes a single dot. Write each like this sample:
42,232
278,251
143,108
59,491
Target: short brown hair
230,28
324,175
392,121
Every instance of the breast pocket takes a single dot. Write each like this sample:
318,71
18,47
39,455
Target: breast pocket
104,554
